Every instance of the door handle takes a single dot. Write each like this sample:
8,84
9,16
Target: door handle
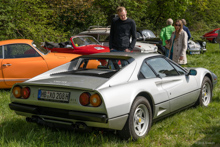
6,64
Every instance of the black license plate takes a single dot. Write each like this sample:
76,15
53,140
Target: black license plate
57,96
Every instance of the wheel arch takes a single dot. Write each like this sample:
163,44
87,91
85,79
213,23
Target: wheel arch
149,97
210,77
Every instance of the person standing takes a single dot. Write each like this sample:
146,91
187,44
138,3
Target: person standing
186,29
218,38
165,34
178,44
122,29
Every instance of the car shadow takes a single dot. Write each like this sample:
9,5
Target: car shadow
211,138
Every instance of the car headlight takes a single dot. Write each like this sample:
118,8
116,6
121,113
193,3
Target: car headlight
204,43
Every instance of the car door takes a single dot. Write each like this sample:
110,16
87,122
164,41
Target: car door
21,62
153,84
181,89
1,58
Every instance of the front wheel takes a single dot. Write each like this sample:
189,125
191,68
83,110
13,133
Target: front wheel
139,120
205,96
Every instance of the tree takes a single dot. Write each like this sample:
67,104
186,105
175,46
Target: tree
75,15
26,19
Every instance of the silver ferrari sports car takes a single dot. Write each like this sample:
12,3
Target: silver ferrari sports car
117,91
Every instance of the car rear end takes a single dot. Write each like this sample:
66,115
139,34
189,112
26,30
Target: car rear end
56,104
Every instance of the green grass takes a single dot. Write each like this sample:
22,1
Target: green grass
198,126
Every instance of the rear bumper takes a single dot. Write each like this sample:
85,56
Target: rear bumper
60,113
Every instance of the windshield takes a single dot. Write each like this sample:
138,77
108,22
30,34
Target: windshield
148,34
40,48
98,67
84,40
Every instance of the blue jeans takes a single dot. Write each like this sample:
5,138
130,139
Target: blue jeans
171,55
167,52
114,50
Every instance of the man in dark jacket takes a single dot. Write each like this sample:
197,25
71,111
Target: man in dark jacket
122,29
186,29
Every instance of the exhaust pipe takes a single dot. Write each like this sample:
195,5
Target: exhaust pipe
33,119
81,126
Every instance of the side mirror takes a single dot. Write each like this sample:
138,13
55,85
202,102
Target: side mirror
192,72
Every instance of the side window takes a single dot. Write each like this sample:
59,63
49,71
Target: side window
94,35
162,67
103,37
139,36
19,51
78,41
1,56
180,70
146,72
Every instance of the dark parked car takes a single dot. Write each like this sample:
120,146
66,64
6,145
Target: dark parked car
147,36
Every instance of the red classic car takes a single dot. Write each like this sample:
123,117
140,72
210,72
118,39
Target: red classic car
80,44
211,36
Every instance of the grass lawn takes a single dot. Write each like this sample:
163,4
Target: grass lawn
192,127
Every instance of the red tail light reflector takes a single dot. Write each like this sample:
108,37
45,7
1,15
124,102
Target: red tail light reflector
25,92
84,98
17,91
95,100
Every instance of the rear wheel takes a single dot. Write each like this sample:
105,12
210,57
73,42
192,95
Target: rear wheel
214,40
139,120
205,96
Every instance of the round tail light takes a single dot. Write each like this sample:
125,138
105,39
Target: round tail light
95,100
25,92
84,98
17,91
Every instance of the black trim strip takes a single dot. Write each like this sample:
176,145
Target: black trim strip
61,113
173,112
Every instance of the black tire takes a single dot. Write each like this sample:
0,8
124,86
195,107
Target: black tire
205,96
139,121
214,40
159,51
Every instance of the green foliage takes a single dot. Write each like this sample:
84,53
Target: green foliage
57,20
26,19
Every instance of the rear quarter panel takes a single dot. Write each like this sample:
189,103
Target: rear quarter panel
55,59
119,98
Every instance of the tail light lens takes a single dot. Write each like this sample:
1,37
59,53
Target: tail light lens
95,100
17,91
84,98
20,92
25,92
